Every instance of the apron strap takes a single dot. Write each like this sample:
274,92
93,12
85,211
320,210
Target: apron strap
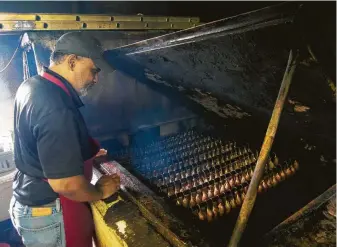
56,81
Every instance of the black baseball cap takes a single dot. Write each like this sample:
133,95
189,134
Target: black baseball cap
82,44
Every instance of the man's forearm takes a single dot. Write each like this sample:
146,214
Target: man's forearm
76,188
87,193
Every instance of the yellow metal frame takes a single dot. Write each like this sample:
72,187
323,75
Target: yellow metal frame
105,235
10,22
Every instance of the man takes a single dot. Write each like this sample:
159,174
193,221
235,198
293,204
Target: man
53,151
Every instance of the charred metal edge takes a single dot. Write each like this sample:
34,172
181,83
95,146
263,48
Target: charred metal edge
303,212
269,16
186,234
169,235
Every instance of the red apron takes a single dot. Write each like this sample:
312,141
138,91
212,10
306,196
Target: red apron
77,216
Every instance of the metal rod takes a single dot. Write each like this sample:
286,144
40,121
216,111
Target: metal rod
217,33
158,225
250,198
303,212
269,16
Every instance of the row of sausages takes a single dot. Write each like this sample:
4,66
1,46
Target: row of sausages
230,193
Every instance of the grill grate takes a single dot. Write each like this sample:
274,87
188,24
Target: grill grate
204,173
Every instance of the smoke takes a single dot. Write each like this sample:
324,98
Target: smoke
6,108
10,80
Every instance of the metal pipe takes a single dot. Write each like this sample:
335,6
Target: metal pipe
269,16
215,34
250,198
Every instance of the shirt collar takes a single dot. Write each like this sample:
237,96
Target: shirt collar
73,94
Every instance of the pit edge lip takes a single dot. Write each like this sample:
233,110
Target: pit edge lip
193,239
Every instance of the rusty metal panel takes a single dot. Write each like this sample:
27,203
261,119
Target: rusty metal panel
17,17
17,25
6,26
39,22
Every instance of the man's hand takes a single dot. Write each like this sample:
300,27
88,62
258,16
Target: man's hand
100,156
101,152
108,185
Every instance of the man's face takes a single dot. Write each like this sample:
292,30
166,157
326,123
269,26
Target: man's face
85,74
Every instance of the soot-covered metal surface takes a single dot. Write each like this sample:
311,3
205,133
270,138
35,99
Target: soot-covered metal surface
233,68
240,59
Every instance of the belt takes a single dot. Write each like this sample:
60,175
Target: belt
53,204
48,205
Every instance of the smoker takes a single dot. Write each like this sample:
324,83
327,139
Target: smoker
184,116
